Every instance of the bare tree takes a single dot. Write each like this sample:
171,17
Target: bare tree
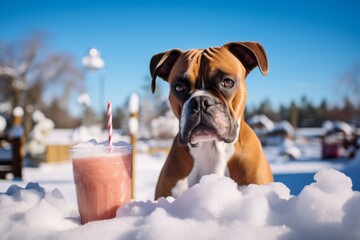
27,71
350,82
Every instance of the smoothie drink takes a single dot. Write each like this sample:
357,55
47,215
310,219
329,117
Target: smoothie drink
102,178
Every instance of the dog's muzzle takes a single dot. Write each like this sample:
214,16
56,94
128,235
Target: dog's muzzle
206,118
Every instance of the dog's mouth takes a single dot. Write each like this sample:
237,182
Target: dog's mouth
202,133
204,119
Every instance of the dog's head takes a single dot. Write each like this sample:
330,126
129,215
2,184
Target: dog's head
207,87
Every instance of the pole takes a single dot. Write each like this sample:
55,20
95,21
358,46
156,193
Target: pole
133,141
133,128
17,142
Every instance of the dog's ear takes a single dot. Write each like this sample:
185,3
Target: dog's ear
161,65
251,54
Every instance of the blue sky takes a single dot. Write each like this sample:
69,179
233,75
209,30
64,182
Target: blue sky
309,44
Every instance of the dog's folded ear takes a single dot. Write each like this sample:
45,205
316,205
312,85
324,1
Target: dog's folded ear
161,65
251,54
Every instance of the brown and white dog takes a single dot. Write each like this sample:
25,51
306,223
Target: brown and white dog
208,95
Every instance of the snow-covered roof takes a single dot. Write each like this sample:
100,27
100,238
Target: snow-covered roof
261,119
338,126
343,126
284,126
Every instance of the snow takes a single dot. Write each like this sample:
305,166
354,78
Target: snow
93,143
133,125
84,99
18,112
213,209
216,208
43,126
6,70
165,126
288,148
5,107
262,119
93,61
2,124
338,126
134,103
310,132
32,213
284,126
92,148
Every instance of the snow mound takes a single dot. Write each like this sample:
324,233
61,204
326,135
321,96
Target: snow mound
216,208
32,213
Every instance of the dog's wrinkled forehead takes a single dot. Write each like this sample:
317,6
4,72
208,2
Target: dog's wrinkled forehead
197,64
187,65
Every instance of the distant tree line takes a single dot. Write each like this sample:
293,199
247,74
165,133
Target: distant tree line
307,114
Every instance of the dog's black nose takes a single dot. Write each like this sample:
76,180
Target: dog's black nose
201,103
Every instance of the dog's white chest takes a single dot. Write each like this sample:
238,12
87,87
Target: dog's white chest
209,158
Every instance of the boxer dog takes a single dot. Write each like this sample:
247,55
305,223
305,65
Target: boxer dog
208,95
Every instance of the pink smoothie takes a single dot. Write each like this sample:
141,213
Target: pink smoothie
103,184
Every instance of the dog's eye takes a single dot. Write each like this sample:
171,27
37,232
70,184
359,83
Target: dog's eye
179,88
227,83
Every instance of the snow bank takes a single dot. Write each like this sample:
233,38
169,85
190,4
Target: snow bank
32,213
213,209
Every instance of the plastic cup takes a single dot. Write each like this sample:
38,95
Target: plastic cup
102,177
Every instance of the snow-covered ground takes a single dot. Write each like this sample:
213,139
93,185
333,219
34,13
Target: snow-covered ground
328,208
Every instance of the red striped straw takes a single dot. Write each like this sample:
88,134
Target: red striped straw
110,128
